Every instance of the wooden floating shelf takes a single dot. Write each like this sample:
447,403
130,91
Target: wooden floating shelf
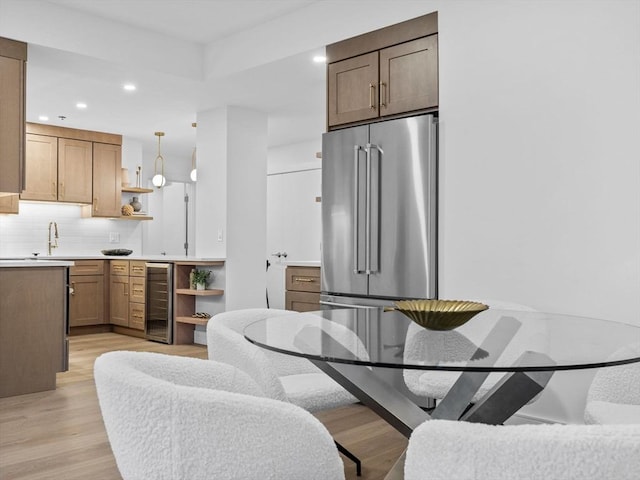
134,217
192,320
206,263
136,190
205,293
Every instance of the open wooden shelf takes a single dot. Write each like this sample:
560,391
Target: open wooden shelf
206,263
136,190
192,320
205,293
185,298
135,217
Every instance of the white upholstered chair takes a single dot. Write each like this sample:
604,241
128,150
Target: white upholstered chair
614,394
179,418
281,377
457,345
450,450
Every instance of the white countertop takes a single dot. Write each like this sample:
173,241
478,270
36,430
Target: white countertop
303,263
151,258
35,263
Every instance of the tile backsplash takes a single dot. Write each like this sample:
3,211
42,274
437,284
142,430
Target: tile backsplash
26,233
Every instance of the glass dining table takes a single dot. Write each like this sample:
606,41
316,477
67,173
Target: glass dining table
515,352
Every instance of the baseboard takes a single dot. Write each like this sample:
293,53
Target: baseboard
521,419
200,337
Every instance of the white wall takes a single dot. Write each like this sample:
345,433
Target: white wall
540,178
539,170
230,200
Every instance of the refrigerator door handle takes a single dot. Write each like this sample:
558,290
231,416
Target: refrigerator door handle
356,209
369,268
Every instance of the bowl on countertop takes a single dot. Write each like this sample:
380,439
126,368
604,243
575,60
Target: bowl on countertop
117,252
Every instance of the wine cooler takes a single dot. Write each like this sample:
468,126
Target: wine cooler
159,306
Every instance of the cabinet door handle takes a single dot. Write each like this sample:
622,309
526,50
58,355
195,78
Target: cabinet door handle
61,192
54,187
372,96
95,205
383,94
72,290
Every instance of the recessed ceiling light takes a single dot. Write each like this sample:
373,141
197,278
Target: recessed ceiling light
320,59
129,87
81,105
43,118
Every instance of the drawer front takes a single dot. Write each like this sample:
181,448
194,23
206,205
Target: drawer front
119,267
137,289
137,268
136,316
303,279
302,301
87,267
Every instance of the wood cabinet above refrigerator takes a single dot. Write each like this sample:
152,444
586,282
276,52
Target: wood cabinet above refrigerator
385,73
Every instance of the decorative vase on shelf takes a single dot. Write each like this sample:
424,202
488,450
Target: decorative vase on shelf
201,286
135,204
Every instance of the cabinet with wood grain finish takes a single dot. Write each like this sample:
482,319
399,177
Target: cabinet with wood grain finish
119,293
385,73
107,174
13,56
302,288
87,293
58,169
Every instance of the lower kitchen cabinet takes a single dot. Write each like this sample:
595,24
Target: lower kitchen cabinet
87,293
127,294
119,299
136,315
302,288
137,294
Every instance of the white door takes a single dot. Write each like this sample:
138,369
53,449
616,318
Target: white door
294,225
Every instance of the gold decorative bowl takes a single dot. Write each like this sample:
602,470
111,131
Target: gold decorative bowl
439,314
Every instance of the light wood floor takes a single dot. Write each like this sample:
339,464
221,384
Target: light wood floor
60,435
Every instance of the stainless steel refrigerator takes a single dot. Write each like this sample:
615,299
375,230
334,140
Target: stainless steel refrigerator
379,212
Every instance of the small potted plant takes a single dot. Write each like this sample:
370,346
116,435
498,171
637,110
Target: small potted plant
201,278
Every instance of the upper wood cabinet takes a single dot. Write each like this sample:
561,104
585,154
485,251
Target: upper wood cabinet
352,89
57,169
75,170
41,163
13,56
388,72
409,76
9,203
107,186
71,165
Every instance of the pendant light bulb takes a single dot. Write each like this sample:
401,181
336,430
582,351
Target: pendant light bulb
159,179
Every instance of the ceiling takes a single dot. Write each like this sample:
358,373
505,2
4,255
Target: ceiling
185,57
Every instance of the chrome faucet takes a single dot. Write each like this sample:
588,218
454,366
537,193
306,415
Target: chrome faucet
55,234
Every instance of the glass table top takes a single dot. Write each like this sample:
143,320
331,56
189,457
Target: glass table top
494,340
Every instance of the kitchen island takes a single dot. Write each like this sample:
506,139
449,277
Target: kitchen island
33,325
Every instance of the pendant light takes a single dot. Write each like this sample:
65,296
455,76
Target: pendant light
158,179
193,160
